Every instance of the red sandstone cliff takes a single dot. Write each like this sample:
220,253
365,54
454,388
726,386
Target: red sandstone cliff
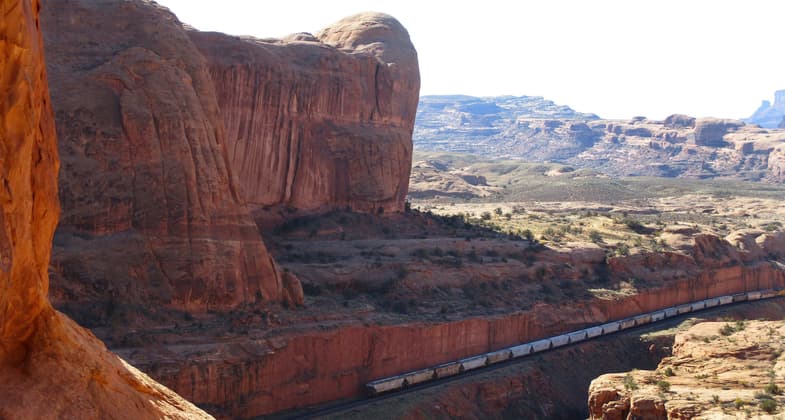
49,366
151,212
319,121
285,368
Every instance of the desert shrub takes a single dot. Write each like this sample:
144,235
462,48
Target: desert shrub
629,383
498,211
738,403
595,236
664,385
768,405
486,215
772,389
668,371
727,330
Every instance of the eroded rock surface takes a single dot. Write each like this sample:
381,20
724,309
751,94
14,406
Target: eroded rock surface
49,366
718,370
152,215
320,121
525,128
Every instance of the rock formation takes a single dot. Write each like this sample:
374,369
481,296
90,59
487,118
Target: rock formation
152,215
49,366
769,115
536,130
718,370
710,131
319,121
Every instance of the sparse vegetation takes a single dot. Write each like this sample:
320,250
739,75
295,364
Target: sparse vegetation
629,383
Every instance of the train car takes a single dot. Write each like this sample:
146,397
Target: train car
593,332
418,376
754,295
560,340
697,306
380,386
657,316
725,300
684,309
768,293
540,345
471,363
447,369
642,319
577,336
521,350
498,356
740,297
626,323
710,303
610,327
671,312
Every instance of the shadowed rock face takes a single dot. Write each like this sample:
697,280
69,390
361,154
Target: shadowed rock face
151,211
319,121
50,368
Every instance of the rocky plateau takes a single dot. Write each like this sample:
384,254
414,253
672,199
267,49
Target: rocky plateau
679,146
716,370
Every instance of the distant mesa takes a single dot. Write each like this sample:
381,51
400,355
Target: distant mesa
770,115
535,129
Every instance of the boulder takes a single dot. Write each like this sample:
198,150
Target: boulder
679,121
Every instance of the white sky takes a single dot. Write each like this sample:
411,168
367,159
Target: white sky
615,58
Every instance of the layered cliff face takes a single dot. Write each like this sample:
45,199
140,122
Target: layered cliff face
717,370
321,121
49,367
152,215
534,130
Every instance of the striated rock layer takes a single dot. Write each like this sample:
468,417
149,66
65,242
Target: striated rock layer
285,369
49,366
321,121
152,215
717,370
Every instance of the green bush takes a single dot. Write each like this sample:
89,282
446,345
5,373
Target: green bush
768,405
664,386
629,383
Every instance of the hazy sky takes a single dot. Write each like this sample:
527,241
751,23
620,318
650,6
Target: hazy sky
616,58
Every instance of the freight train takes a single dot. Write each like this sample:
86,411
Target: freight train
444,370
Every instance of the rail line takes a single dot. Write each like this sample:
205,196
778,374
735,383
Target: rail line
416,380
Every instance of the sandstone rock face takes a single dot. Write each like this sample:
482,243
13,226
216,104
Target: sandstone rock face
50,368
718,370
151,211
28,169
710,131
535,130
319,121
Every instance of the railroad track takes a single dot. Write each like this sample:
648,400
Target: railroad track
417,380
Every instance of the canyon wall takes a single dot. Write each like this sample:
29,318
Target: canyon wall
152,215
323,121
49,366
282,371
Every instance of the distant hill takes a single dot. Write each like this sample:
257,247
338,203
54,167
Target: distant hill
770,115
535,129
